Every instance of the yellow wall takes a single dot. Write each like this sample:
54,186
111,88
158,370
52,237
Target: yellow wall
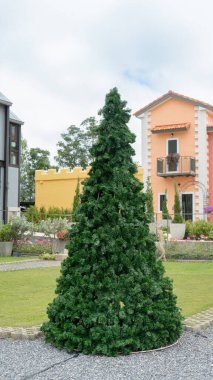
57,189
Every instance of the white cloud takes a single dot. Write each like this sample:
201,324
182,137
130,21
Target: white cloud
58,59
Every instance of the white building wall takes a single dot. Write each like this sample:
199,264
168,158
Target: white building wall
201,152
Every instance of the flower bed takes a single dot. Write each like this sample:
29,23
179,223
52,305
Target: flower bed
37,247
189,249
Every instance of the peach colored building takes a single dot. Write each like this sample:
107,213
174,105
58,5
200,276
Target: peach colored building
177,147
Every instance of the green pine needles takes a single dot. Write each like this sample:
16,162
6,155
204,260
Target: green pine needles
112,296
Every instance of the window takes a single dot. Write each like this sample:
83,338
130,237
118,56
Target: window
172,155
161,197
14,145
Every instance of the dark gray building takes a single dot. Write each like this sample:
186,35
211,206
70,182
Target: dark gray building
10,149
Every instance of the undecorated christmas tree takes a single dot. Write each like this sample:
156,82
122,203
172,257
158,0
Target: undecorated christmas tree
112,296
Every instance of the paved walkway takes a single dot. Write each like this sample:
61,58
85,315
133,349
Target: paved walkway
29,264
190,359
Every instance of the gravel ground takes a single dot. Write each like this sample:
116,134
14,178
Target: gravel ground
190,359
30,264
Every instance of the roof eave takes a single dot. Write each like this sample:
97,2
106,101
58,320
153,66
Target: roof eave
172,95
14,121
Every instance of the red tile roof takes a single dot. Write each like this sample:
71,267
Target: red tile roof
170,127
171,94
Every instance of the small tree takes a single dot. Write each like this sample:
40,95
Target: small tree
112,295
165,213
149,200
177,207
76,201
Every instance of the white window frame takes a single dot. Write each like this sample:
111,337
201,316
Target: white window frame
159,194
167,150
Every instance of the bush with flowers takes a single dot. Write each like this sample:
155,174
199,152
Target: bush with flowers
199,230
63,234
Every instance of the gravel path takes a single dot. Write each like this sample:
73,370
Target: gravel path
29,264
190,359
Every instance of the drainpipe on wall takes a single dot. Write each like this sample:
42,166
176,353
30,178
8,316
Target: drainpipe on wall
6,158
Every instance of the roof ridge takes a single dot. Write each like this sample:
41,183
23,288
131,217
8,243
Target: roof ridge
167,95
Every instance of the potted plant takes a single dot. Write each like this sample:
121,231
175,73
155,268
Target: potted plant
6,240
165,212
172,161
56,229
20,227
177,227
59,245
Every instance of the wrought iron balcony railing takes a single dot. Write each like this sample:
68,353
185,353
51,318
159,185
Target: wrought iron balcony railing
175,165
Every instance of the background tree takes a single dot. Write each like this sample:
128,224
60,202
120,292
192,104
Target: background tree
25,188
31,159
177,207
74,147
112,296
149,200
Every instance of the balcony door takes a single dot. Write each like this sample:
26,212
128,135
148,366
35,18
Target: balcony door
172,151
187,205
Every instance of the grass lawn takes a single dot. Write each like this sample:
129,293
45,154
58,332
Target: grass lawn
24,294
9,259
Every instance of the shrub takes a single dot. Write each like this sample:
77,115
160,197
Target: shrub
39,246
200,229
53,226
35,215
19,226
6,232
177,208
47,256
165,213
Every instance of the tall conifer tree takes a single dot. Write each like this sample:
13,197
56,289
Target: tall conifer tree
112,296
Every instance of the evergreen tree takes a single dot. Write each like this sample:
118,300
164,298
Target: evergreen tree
177,207
165,212
149,200
76,201
112,296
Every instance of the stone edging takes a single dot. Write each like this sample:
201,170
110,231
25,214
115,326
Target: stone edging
21,333
200,320
19,261
196,322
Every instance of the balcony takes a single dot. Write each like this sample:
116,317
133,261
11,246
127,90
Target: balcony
175,165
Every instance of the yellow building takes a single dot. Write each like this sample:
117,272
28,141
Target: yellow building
57,189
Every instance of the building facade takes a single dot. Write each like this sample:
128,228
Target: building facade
57,188
10,147
177,148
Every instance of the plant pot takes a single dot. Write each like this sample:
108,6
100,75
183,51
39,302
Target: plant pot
166,223
6,248
177,230
153,228
58,246
61,256
16,254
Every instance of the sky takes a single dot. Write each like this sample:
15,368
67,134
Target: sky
58,59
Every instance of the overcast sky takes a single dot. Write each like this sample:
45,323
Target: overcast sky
58,59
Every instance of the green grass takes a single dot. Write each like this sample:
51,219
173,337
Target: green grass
24,294
9,259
